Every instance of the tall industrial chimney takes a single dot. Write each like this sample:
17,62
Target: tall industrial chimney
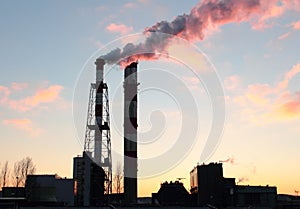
99,109
130,133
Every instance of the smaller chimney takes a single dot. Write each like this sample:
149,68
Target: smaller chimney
99,109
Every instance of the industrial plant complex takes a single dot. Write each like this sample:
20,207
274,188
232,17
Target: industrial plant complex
91,185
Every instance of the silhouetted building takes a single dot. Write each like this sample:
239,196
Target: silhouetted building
13,191
229,191
211,188
49,190
88,182
12,202
207,182
173,193
259,196
65,191
285,201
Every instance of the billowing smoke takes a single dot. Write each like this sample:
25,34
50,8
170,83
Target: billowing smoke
207,14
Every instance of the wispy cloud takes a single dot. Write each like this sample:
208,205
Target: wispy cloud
282,85
41,97
193,83
4,94
289,106
284,36
119,28
296,25
136,4
130,5
23,124
272,11
232,82
264,103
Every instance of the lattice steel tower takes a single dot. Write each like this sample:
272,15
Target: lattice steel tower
97,137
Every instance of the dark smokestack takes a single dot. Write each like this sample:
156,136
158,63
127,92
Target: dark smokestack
130,133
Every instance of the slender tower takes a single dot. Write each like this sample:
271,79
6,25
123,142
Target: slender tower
130,133
97,137
99,109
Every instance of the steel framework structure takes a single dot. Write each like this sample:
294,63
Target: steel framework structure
93,127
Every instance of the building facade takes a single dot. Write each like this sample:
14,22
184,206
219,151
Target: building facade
88,181
49,190
211,188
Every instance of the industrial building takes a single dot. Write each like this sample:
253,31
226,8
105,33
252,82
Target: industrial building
285,201
49,190
263,196
39,190
88,181
171,193
211,188
13,192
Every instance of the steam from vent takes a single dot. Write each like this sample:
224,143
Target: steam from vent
242,179
230,160
207,14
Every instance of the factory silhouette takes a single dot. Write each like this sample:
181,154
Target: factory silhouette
91,185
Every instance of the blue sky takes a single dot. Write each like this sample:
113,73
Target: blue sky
44,46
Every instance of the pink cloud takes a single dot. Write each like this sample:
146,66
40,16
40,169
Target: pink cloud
288,76
296,25
130,5
292,4
289,107
4,94
22,124
119,28
263,103
284,36
47,95
193,83
271,11
257,94
232,82
41,97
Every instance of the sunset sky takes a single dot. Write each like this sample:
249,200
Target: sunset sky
47,50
